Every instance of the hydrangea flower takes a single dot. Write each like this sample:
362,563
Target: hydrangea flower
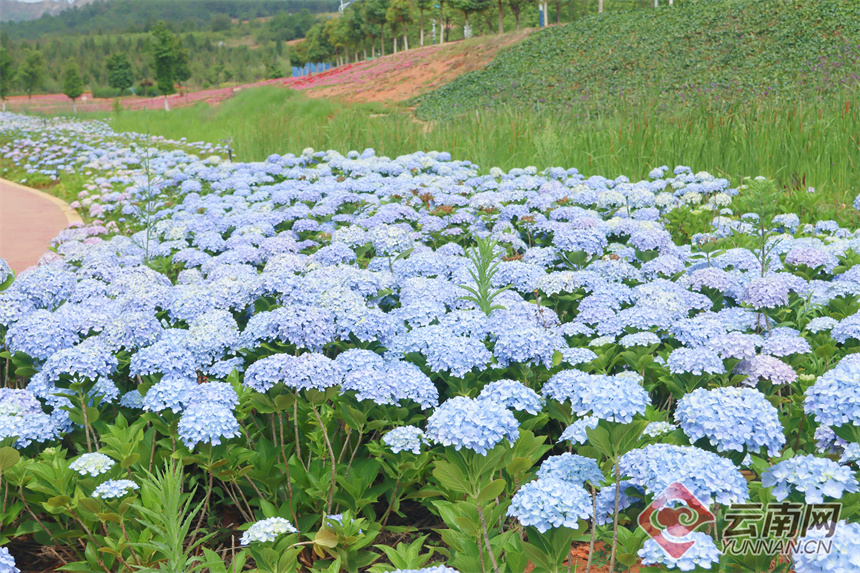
477,425
571,468
94,464
703,553
655,429
207,422
404,438
576,432
708,476
695,361
7,562
614,398
310,370
812,476
548,503
114,488
770,291
834,399
514,395
732,419
267,530
843,554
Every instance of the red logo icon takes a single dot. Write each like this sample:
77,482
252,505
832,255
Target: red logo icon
676,512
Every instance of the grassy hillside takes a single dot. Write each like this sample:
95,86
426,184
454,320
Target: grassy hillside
711,51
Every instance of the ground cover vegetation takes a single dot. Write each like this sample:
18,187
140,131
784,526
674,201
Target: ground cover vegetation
710,54
346,362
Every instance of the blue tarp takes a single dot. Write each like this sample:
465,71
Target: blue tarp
311,68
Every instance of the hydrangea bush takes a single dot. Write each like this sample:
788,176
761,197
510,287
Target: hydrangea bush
322,348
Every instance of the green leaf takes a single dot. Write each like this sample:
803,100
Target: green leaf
451,477
8,458
492,491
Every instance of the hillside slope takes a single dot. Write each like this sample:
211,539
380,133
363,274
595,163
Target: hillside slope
730,49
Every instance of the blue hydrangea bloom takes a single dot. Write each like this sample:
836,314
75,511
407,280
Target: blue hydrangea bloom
708,476
112,489
812,476
732,419
397,380
310,370
614,398
571,468
695,361
843,554
703,553
404,438
92,464
834,399
472,424
7,562
576,432
548,503
267,530
207,422
514,395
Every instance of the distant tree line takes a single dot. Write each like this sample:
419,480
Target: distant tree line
136,16
369,28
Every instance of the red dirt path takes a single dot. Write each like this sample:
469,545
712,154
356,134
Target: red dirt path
28,221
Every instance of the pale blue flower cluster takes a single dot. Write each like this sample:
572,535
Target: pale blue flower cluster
709,477
7,562
614,398
703,553
812,476
834,399
114,488
267,530
94,464
404,438
476,425
571,468
547,503
838,553
735,419
514,395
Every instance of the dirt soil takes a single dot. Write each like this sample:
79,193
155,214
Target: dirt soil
402,76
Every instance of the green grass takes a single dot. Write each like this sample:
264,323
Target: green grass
713,51
799,145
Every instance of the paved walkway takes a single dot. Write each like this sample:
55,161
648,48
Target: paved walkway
29,219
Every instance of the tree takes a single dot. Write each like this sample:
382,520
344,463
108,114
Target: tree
164,58
73,85
501,18
32,72
516,8
399,16
7,72
181,71
119,75
468,7
422,5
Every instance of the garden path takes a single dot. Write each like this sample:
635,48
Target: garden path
29,219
